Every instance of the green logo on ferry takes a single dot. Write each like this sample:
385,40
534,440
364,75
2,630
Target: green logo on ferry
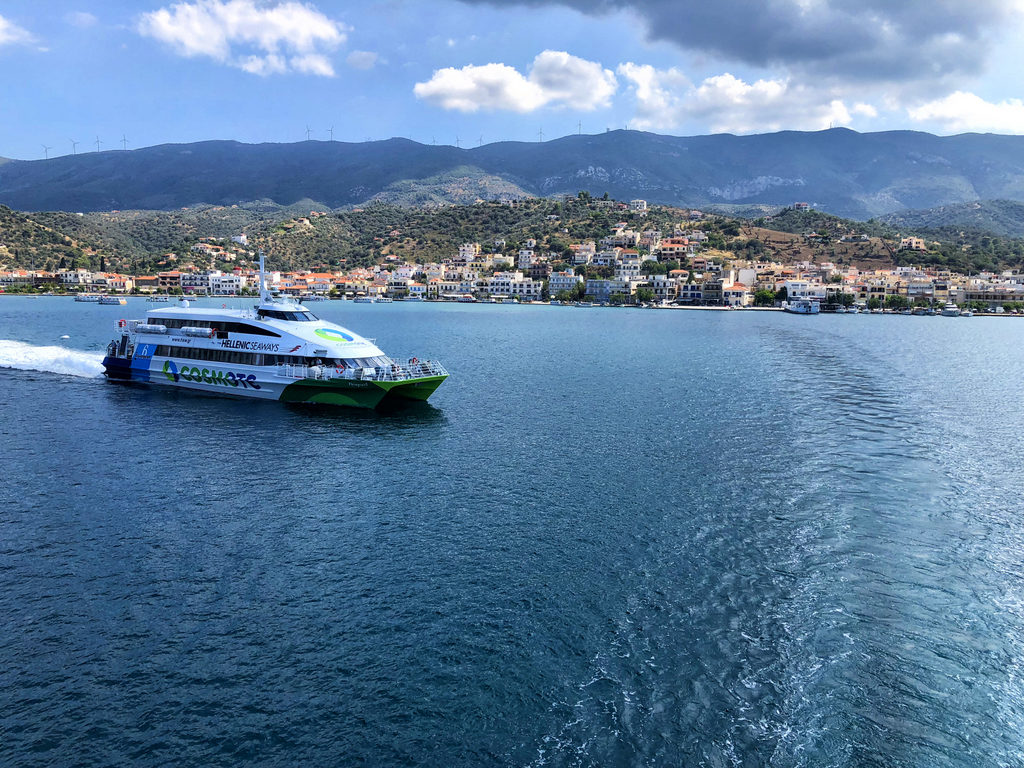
333,334
208,376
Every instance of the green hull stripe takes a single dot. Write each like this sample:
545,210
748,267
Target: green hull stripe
359,394
419,389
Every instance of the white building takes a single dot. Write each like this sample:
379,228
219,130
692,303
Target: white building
665,288
227,285
563,281
469,252
514,284
804,289
75,277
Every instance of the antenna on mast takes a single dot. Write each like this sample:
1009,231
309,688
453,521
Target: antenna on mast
46,152
74,145
540,135
264,296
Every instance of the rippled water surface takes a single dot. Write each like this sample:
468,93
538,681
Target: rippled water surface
613,537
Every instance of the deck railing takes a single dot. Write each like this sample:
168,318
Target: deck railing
395,371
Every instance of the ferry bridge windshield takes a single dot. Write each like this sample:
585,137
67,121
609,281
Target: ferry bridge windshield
302,317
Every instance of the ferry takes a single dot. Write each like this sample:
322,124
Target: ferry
279,351
802,307
90,297
117,300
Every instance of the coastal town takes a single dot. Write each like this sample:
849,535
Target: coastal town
631,265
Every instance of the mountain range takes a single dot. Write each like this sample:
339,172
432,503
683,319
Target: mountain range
857,175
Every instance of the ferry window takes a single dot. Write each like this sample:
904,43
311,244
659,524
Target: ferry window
301,317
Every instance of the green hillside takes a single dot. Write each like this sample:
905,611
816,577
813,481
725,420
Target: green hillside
309,235
1004,218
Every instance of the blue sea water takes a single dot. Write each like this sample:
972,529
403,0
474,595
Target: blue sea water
612,538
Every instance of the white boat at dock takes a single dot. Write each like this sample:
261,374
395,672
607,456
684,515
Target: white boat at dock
802,307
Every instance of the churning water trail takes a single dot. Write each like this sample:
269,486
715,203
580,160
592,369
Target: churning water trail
52,359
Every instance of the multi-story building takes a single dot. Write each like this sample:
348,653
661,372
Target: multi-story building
227,284
675,248
503,284
75,279
583,253
912,244
563,281
469,252
539,270
736,295
602,290
665,288
691,293
195,282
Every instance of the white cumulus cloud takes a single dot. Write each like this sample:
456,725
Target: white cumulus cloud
963,111
254,36
667,100
556,78
12,33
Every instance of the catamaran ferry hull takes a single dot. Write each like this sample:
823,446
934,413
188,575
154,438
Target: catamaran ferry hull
288,387
282,351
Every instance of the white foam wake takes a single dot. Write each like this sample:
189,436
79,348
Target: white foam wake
70,362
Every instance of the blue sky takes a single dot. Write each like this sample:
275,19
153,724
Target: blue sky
472,72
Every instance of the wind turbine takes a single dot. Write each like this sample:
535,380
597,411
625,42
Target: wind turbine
307,133
98,142
457,144
124,142
540,133
74,146
46,152
480,143
331,131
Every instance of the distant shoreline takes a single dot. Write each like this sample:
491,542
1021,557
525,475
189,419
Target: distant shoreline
671,307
